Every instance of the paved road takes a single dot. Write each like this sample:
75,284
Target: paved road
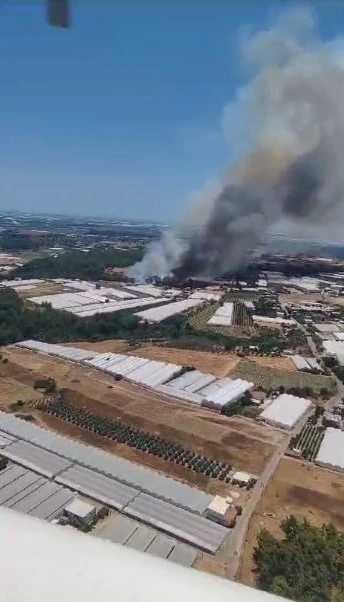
237,536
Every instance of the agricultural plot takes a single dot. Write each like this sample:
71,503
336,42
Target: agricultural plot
272,378
241,316
115,430
308,441
242,321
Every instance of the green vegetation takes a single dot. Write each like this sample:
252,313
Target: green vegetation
241,407
17,405
307,565
308,441
77,264
48,385
296,383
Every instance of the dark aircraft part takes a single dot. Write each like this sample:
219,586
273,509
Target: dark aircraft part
58,13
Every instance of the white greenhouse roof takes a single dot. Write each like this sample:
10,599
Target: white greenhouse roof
331,452
286,410
334,347
158,314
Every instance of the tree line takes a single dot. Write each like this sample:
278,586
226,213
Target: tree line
78,264
306,565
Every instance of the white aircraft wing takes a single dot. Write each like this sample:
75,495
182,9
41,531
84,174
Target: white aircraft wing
41,562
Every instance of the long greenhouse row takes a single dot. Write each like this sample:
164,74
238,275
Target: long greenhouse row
191,386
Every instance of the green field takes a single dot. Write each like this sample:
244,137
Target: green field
272,378
308,441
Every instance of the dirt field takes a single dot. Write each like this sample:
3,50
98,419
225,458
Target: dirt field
242,442
281,363
299,297
272,378
12,390
108,346
46,288
217,364
301,489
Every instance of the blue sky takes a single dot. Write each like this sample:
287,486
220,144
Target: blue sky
121,114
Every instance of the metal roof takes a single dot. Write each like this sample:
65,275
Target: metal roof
97,486
178,522
25,491
35,458
183,555
141,538
122,470
53,505
161,546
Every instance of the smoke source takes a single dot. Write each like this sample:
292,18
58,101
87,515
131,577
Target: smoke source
287,125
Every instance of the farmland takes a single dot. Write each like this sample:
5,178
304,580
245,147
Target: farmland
239,442
308,441
297,488
242,322
272,378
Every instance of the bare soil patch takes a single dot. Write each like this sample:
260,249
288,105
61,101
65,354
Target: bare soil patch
12,390
218,364
108,346
298,488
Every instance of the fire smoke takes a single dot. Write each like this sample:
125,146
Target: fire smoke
287,124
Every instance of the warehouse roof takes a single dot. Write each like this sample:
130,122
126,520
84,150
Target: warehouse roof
122,470
286,410
331,452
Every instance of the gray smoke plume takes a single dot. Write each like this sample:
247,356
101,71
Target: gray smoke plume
288,124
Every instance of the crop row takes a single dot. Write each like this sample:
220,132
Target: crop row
308,441
115,430
241,316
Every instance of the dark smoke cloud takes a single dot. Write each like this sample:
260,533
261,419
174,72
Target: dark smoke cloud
288,124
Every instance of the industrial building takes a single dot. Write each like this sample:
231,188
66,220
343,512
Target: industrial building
331,452
221,510
243,478
286,411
